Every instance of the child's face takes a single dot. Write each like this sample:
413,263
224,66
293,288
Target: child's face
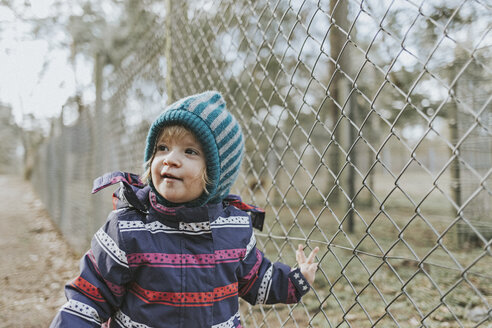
177,169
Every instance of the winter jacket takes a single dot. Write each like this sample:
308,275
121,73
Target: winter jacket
156,266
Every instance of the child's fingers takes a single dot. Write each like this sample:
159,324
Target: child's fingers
312,255
300,256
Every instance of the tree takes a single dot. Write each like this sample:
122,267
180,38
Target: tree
32,137
10,135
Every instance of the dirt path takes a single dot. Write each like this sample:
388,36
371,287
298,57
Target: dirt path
35,262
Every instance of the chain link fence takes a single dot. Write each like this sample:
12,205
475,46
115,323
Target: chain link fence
369,134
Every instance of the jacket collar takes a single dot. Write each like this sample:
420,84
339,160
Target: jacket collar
141,197
208,212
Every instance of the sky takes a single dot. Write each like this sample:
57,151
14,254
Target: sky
34,79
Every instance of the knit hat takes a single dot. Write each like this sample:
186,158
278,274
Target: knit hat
218,132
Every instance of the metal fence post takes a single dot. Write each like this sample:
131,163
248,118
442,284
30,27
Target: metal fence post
168,52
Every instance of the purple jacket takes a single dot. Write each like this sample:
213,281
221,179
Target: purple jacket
154,266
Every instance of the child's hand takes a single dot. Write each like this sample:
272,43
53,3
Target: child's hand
307,267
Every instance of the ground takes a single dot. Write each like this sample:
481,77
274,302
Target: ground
35,260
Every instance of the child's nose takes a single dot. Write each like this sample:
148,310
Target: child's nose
172,159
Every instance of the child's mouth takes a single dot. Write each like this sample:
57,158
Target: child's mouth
170,177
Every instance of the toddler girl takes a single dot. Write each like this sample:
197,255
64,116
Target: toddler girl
178,251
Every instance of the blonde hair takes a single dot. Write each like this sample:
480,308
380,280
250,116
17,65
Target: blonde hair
171,133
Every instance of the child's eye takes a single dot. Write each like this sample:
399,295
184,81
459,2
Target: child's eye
191,151
162,147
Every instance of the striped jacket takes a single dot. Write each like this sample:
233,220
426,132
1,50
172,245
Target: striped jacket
155,266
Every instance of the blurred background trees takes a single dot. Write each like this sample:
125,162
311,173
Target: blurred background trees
327,91
11,146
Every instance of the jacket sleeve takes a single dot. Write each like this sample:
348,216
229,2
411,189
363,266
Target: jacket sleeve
99,289
264,282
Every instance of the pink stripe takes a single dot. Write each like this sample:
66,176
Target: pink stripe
291,293
117,179
158,207
186,260
172,259
255,267
117,290
227,261
174,265
228,254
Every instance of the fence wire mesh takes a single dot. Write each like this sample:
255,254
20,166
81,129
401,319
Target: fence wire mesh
369,134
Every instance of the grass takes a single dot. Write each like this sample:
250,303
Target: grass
401,266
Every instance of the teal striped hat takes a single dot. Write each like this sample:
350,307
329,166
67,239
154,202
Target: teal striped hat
219,133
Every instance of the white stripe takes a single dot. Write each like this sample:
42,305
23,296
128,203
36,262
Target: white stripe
81,310
226,131
111,248
251,245
268,289
72,312
226,183
195,226
174,231
231,226
219,119
223,190
264,289
203,98
229,157
211,108
127,322
158,227
228,145
231,220
232,166
229,323
130,224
